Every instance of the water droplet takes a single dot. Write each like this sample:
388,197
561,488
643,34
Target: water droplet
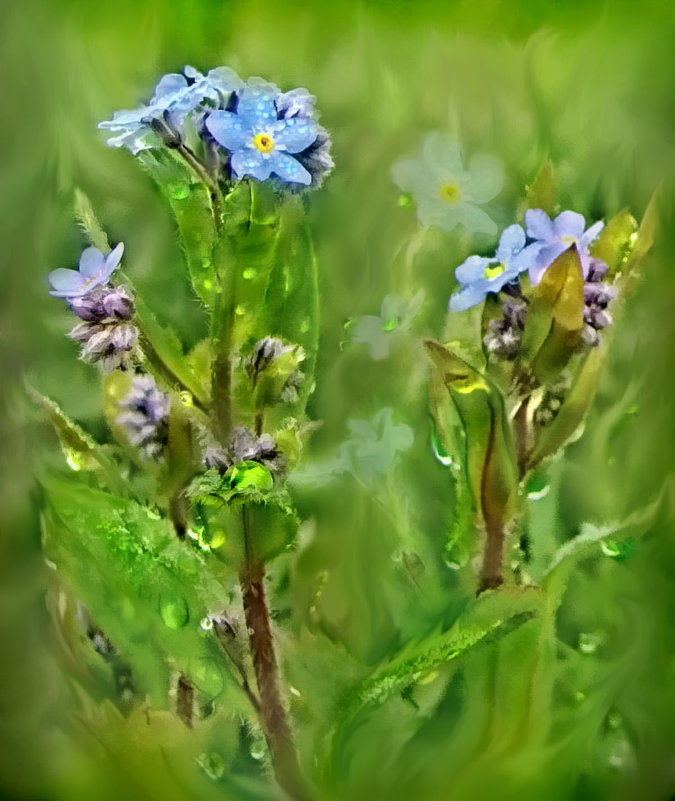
620,550
213,765
579,697
590,641
208,285
206,263
390,324
405,200
249,273
179,190
240,310
206,623
73,460
304,325
174,611
295,692
439,451
186,398
257,752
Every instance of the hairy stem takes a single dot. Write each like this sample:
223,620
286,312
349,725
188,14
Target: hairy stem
273,716
200,169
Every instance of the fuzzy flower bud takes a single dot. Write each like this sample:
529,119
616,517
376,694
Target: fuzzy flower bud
145,417
503,337
108,302
273,370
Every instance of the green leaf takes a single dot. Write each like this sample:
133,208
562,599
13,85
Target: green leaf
190,203
81,451
491,460
540,194
165,354
493,616
571,415
554,318
615,241
144,588
84,213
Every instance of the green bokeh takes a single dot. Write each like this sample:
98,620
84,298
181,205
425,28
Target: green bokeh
587,84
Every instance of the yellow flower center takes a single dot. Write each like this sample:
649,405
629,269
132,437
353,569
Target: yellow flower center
568,240
449,193
493,272
263,142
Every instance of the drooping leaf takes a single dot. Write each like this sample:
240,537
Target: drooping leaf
81,451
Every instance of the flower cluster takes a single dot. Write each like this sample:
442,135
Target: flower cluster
273,362
145,417
244,446
260,131
107,335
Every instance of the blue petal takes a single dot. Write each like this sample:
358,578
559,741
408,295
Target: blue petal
569,224
546,256
466,298
297,134
192,73
409,174
66,283
592,234
289,169
112,260
92,262
256,103
538,225
297,102
224,80
229,129
472,270
168,85
124,119
511,242
251,162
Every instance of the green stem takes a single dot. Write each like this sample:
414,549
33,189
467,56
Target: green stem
199,168
273,716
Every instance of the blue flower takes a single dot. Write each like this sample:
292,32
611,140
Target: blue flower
552,237
447,194
175,96
260,141
479,275
94,270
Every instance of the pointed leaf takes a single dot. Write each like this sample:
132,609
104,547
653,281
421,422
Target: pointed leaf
615,241
540,194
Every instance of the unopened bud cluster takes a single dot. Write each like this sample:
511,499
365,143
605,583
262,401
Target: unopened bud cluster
145,417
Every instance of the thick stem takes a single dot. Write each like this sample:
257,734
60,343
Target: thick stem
273,716
221,376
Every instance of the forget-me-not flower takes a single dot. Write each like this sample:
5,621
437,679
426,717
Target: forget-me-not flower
446,193
175,96
553,237
378,332
480,275
94,270
259,141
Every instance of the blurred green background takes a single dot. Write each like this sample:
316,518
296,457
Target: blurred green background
588,84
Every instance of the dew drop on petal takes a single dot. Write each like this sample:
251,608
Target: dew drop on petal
179,190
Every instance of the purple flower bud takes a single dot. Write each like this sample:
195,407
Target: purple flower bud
589,336
109,343
116,303
145,417
597,270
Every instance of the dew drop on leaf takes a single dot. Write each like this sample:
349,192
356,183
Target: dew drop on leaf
589,642
179,190
617,550
174,611
213,765
249,273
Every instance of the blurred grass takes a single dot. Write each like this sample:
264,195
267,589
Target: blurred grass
588,84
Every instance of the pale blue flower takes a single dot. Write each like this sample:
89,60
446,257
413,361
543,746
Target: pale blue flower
260,142
480,275
373,444
379,332
446,193
175,96
553,237
94,270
